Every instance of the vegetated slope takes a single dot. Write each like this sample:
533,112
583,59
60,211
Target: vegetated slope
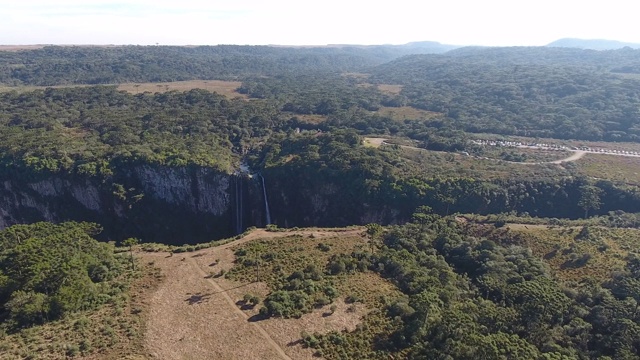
512,292
545,92
156,166
64,294
58,65
508,301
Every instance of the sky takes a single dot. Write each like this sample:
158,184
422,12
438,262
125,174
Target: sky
289,22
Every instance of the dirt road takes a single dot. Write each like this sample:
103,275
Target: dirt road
577,154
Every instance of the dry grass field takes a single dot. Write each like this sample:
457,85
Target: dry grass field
390,89
310,118
20,47
226,88
195,313
407,113
619,169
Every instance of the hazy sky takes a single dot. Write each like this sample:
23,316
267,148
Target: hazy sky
197,22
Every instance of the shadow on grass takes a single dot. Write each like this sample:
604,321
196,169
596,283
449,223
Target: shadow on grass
197,298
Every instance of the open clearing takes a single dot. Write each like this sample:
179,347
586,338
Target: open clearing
20,47
194,314
408,113
226,88
562,249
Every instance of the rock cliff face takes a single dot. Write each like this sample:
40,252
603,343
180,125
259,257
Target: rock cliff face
177,205
156,203
197,190
326,204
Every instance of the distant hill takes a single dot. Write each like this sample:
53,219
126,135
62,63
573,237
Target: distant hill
431,47
593,44
60,65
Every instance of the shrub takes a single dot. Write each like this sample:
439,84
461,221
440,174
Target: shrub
324,247
352,299
321,301
72,350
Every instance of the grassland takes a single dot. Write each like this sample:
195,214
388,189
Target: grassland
619,169
202,297
497,162
575,256
390,89
20,47
446,164
226,88
524,154
194,304
407,113
310,118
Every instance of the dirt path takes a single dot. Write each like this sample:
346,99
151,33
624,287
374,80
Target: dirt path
190,319
577,155
193,316
237,310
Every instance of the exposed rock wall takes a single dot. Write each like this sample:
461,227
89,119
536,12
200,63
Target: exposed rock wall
193,202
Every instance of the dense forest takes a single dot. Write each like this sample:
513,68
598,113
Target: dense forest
561,93
58,65
47,271
478,292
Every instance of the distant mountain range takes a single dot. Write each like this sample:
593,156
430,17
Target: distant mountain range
433,47
593,44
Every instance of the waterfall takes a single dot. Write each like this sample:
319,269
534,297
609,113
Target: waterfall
266,201
239,201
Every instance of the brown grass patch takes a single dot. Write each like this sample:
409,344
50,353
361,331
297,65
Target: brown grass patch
407,113
619,169
560,247
310,118
373,142
20,47
355,75
390,89
226,88
195,313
